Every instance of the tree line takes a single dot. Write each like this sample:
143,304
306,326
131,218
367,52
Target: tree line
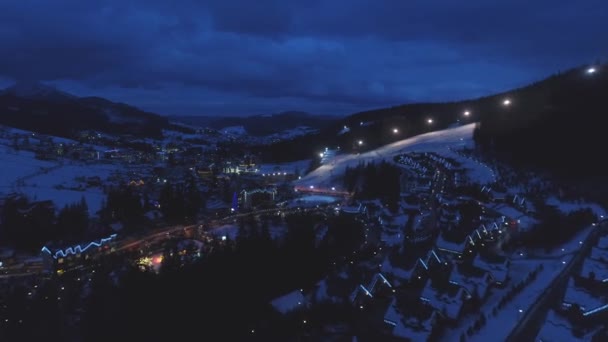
225,293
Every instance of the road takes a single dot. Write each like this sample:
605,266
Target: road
134,242
529,325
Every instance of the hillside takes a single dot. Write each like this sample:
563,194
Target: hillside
40,108
260,125
555,124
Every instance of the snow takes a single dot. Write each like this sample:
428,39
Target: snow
234,130
16,165
557,329
61,186
582,297
568,207
441,142
288,302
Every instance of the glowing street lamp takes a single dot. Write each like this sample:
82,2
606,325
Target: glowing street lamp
506,102
591,70
360,142
395,130
321,154
430,121
467,113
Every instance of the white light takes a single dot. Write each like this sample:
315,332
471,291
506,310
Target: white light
506,102
467,113
429,121
321,154
591,70
360,142
312,186
333,188
395,130
223,237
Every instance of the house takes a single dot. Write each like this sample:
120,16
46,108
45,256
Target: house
449,298
499,270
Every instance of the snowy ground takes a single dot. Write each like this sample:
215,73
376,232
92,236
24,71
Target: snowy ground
63,187
46,180
16,165
568,207
440,142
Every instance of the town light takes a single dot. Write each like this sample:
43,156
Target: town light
467,113
506,102
430,121
360,142
321,154
395,130
591,70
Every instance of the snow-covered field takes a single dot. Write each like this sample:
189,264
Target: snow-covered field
48,180
16,165
62,186
568,207
440,142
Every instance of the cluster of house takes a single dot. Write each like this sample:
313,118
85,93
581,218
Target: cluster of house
584,308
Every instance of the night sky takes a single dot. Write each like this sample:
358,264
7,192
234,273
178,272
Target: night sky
223,57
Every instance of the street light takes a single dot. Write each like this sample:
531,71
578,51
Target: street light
321,154
430,121
467,113
395,130
591,70
360,142
506,102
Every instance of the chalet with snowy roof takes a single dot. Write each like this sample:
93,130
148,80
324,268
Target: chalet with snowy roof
418,271
593,273
449,298
455,248
410,323
365,293
475,281
498,269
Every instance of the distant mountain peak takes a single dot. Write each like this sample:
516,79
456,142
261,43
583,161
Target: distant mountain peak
36,90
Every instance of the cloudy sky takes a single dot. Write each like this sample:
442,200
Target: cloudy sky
231,57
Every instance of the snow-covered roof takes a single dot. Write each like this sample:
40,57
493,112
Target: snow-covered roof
580,296
499,271
289,302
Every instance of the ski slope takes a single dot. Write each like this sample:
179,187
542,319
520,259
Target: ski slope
440,142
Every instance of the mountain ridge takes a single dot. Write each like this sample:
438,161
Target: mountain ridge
44,109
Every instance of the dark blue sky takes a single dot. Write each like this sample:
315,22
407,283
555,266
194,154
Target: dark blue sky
322,56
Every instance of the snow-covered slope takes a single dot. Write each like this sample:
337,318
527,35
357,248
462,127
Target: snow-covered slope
440,142
234,130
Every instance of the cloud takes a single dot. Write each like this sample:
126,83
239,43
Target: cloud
226,56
